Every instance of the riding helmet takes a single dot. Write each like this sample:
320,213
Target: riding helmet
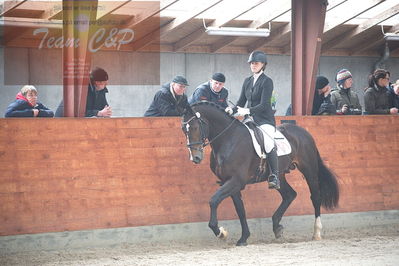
257,56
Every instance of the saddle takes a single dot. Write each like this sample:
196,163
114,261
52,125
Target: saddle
250,123
260,173
258,139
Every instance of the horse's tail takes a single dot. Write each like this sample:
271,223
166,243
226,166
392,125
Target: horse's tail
329,189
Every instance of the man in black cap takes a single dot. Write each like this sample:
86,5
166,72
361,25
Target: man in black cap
322,98
212,91
170,100
96,103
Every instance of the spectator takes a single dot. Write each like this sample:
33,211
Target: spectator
59,112
377,98
394,90
288,112
212,91
322,98
257,91
96,103
170,100
345,100
26,105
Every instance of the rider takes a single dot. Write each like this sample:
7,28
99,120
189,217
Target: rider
257,91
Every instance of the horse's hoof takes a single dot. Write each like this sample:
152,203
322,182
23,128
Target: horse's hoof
317,238
278,233
223,233
241,244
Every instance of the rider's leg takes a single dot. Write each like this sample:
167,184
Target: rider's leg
272,160
271,156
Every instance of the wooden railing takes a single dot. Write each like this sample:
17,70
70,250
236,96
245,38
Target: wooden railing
76,174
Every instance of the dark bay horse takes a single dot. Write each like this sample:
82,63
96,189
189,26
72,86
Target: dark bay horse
235,162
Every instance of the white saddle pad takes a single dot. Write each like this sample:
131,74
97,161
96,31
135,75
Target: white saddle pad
283,146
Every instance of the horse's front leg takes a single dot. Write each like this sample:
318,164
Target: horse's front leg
229,188
288,194
240,209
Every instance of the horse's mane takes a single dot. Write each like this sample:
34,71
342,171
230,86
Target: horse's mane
214,106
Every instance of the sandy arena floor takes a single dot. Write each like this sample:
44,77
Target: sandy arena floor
377,245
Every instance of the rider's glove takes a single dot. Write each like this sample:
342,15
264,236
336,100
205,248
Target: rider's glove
229,110
242,111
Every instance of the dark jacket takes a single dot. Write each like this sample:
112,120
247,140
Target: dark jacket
96,101
340,96
378,100
322,105
395,98
22,108
164,104
204,93
258,97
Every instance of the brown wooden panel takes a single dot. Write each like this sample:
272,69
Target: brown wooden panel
77,174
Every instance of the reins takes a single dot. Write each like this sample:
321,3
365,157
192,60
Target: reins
203,137
221,133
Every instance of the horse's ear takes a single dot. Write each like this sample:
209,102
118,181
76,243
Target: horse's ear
188,110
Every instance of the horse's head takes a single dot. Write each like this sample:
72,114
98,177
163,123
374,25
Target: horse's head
196,130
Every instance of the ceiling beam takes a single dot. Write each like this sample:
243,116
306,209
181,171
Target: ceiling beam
275,34
347,11
174,24
109,7
30,23
361,28
370,44
221,20
11,5
336,16
281,7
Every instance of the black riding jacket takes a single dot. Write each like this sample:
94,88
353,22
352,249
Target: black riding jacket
258,97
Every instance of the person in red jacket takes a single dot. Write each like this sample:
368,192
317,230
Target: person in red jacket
26,105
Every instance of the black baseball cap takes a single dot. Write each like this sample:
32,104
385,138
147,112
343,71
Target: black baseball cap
180,80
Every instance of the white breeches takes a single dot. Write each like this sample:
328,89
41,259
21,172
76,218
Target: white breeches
269,139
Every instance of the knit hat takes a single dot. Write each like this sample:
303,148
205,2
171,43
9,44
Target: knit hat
343,75
219,77
98,74
180,80
321,82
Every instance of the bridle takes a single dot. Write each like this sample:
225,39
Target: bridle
203,125
203,133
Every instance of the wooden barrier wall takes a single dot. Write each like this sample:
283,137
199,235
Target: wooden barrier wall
75,174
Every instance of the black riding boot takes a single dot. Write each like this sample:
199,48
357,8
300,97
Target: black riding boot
272,159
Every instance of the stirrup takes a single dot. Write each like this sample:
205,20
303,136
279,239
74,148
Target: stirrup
274,181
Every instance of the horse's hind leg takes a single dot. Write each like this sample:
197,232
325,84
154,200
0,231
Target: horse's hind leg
239,205
313,183
288,194
228,189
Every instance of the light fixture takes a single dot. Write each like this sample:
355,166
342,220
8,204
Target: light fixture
391,37
232,31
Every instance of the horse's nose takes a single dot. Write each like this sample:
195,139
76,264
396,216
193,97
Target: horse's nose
197,159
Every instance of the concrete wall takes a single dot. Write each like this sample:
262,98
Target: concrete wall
40,66
189,233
